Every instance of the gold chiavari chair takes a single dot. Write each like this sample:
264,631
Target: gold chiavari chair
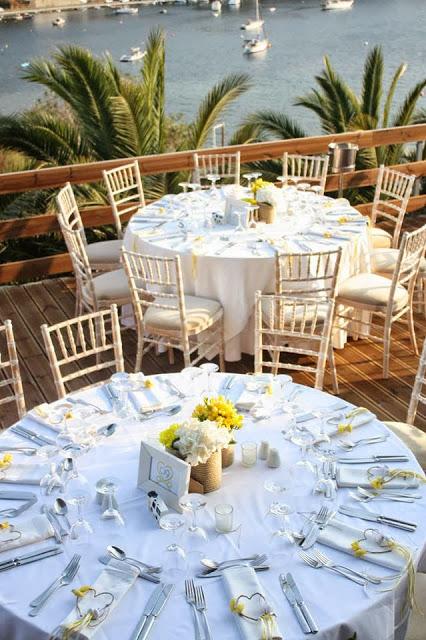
75,347
166,316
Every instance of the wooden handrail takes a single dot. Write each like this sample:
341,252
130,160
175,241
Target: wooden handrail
178,161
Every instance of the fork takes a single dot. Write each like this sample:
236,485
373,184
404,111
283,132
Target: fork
252,561
348,445
366,496
321,557
201,606
190,598
316,564
66,577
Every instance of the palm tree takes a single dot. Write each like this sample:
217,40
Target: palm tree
340,109
105,115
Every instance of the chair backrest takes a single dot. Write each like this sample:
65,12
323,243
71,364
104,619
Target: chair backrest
419,383
69,211
10,375
300,326
225,165
312,169
156,282
75,348
393,191
307,274
86,297
125,192
408,262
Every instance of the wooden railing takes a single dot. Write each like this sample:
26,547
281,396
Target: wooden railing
96,216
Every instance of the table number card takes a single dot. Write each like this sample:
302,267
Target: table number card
163,473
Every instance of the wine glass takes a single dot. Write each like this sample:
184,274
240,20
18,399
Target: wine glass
209,368
303,439
321,414
191,374
81,530
196,535
240,225
280,511
275,488
111,512
249,178
175,558
213,178
122,385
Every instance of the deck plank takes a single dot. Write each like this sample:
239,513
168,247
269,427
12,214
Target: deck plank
359,364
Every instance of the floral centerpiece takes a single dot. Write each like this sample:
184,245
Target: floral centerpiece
266,195
224,414
200,443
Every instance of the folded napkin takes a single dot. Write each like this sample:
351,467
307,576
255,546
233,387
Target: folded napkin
247,399
351,476
339,535
48,415
113,582
346,422
35,529
241,585
148,394
23,473
328,235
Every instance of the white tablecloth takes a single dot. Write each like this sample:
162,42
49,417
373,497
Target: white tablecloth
232,275
340,607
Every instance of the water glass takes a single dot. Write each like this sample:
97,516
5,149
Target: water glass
249,453
224,518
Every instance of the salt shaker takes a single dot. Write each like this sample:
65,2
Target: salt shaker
274,459
263,450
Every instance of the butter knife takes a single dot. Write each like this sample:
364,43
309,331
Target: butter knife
31,557
152,601
373,459
377,517
289,594
301,603
158,607
53,524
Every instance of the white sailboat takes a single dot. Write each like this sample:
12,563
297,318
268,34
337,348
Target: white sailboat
126,11
135,54
253,24
257,43
328,5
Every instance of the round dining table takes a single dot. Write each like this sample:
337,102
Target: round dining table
339,606
224,261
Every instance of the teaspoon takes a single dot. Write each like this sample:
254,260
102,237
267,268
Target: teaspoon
61,508
119,554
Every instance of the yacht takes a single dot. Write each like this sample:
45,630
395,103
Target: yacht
125,11
336,4
58,22
216,6
134,55
253,24
257,43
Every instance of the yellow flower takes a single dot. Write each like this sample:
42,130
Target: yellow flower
6,461
342,220
81,591
377,483
4,525
236,607
68,415
358,550
168,436
148,384
269,390
219,410
327,234
344,426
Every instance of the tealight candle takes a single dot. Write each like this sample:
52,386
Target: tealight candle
249,453
224,516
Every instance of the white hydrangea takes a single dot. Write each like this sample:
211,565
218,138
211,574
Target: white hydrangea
198,440
269,195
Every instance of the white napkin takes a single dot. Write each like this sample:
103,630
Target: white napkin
145,398
35,529
339,535
243,581
47,414
24,473
116,579
44,415
332,424
353,476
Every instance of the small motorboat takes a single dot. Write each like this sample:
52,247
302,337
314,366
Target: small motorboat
163,11
125,11
328,5
216,6
135,54
58,22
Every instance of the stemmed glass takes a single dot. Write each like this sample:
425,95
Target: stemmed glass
249,177
240,226
111,512
122,385
209,368
213,178
196,535
175,559
320,414
81,529
281,511
192,373
303,439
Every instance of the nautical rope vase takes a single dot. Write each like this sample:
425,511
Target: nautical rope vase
209,473
228,456
266,213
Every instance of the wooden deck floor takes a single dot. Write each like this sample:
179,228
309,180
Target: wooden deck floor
359,364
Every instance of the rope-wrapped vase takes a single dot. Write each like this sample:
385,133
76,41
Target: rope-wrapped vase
266,213
209,473
228,456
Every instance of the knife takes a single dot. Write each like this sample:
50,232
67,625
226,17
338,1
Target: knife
217,573
301,603
61,529
158,607
53,524
373,459
311,537
377,517
149,607
142,574
289,594
31,557
31,435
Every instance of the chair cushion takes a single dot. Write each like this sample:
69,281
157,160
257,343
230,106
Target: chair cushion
112,285
105,252
413,438
416,624
200,314
380,238
384,261
371,289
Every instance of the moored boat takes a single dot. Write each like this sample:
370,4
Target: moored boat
328,5
135,54
58,22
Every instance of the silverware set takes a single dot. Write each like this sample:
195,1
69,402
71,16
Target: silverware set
316,526
64,579
348,445
32,436
296,601
153,608
194,595
372,459
318,560
26,451
214,570
85,403
377,517
367,495
27,558
172,387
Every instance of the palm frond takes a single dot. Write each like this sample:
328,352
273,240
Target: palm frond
391,93
273,124
372,84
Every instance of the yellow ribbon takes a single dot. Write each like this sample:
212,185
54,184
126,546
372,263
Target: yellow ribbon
342,220
344,427
327,234
236,607
4,525
81,591
148,384
347,426
358,551
379,482
6,461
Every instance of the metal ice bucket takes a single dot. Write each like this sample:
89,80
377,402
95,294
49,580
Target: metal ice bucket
342,156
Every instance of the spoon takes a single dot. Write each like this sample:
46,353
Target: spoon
61,508
152,413
26,451
348,445
119,554
107,430
213,565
